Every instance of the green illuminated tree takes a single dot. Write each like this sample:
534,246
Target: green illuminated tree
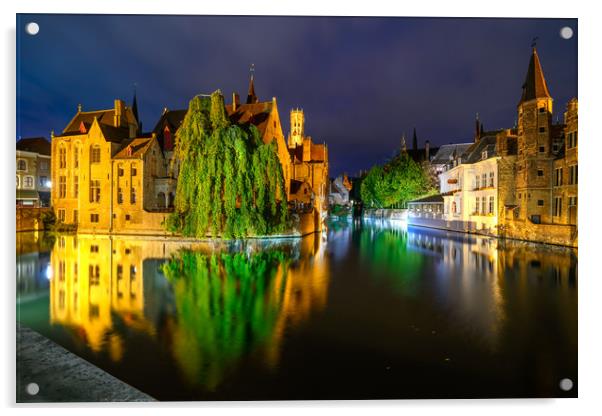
395,183
230,183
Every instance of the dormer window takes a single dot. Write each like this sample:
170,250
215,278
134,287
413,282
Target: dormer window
484,154
128,151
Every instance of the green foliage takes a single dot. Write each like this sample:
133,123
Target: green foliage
230,183
228,306
395,183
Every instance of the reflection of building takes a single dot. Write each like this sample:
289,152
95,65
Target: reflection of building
33,172
109,290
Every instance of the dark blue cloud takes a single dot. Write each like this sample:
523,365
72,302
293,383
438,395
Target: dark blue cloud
362,82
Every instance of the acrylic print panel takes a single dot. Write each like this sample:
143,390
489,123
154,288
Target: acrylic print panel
258,208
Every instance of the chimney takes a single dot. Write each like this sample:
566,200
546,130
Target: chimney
119,112
427,148
235,101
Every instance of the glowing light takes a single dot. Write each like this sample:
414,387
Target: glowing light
49,272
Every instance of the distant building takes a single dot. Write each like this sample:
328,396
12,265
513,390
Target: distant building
33,172
340,189
309,161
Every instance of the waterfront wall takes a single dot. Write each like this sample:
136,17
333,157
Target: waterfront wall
558,234
145,223
30,219
386,214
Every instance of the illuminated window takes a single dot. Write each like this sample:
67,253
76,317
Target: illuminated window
76,157
95,191
558,206
558,177
61,215
491,204
62,157
28,182
573,175
95,154
491,179
75,186
21,164
62,186
132,195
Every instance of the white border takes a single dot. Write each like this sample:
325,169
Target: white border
590,277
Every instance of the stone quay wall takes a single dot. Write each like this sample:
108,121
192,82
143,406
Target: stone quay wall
30,219
558,234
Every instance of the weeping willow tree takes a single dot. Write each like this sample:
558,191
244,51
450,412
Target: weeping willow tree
228,306
230,183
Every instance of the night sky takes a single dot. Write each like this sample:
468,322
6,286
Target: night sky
362,82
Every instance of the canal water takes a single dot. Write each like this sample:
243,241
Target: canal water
363,311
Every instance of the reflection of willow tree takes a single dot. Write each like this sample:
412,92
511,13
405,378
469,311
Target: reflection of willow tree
228,305
387,250
230,181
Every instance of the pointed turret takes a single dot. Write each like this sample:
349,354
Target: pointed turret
251,97
135,111
415,140
535,83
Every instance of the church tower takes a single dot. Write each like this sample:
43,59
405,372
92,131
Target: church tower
534,161
297,133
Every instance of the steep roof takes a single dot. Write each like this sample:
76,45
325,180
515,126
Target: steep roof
35,145
535,83
251,96
106,121
448,151
139,146
256,114
475,152
171,119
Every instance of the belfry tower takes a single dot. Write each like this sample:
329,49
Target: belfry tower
297,133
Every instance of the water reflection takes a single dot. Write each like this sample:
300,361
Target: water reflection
310,318
218,304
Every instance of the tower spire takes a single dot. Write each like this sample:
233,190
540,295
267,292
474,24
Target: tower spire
415,140
135,110
535,83
251,97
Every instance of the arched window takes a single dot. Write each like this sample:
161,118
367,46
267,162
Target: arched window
454,208
95,154
28,182
18,181
76,155
21,164
62,157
